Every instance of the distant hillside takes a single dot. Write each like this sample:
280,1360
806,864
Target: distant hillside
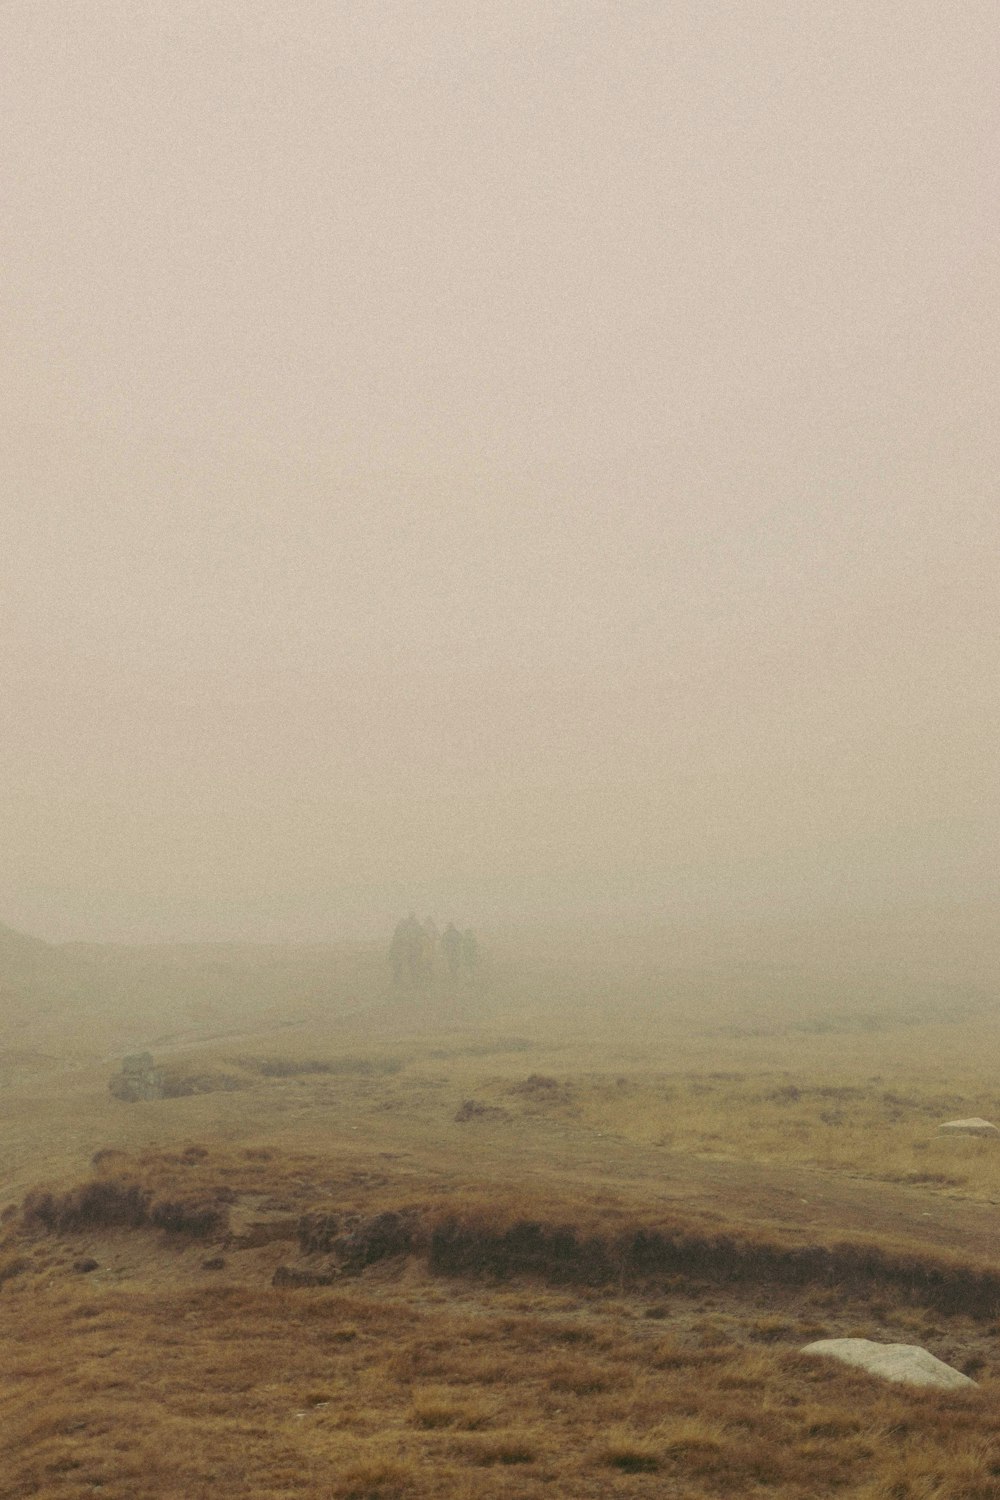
19,953
100,999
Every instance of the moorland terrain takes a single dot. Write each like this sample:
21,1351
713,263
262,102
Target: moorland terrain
559,1231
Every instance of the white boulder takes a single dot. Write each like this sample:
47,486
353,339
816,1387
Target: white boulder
907,1363
975,1126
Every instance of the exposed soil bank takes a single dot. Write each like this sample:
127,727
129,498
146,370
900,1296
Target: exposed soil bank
500,1245
560,1254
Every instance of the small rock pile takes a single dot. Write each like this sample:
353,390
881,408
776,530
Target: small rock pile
139,1079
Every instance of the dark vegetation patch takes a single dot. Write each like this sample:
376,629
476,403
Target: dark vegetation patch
348,1243
201,1221
294,1277
378,1238
180,1085
565,1254
319,1232
475,1109
540,1092
484,1049
892,1106
633,1456
538,1086
107,1203
504,1448
865,1022
110,1203
294,1067
13,1265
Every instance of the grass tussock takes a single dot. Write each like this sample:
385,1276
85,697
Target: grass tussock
375,1479
505,1448
630,1454
443,1408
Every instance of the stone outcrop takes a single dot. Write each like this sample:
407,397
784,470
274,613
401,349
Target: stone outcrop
139,1079
908,1364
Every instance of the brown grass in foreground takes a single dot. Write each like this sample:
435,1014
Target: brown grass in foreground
153,1376
383,1391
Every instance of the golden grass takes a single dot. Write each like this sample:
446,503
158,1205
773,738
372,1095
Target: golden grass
881,1129
172,1396
148,1377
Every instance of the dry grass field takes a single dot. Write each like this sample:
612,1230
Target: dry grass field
562,1234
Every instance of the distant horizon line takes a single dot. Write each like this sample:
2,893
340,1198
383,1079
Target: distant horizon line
649,922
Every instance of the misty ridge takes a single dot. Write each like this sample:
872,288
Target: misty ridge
858,973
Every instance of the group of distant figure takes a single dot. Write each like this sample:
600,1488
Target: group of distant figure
418,948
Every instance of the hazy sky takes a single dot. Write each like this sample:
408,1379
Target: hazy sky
505,457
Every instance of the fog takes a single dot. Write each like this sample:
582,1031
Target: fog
526,460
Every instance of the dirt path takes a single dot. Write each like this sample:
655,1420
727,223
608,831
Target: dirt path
808,1201
798,1203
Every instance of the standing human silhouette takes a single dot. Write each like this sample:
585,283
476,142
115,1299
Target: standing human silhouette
451,942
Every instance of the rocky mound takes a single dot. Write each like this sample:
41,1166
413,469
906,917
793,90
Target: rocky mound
140,1079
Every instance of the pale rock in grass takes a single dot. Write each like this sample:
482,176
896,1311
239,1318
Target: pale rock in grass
908,1364
975,1126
